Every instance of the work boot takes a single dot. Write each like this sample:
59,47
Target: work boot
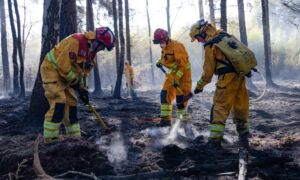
164,121
214,142
244,141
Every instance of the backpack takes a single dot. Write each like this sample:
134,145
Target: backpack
239,55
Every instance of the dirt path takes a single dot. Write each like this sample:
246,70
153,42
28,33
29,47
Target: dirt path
140,147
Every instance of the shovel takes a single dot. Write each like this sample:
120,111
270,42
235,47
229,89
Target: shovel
107,130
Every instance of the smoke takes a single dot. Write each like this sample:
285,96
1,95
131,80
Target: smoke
113,146
174,131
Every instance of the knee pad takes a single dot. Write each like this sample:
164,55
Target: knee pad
73,114
58,112
163,97
179,102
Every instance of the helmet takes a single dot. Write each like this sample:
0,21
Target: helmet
197,29
106,36
160,35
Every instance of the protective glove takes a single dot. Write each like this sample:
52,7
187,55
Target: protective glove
196,90
158,64
84,95
82,92
176,83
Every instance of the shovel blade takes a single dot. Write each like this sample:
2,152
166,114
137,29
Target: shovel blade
110,129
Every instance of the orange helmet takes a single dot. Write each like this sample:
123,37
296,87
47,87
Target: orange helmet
160,35
106,36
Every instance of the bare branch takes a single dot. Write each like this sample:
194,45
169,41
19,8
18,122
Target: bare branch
37,167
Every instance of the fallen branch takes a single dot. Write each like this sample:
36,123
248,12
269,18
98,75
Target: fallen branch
243,162
146,175
37,167
20,165
92,175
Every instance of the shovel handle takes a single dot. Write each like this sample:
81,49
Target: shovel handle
98,116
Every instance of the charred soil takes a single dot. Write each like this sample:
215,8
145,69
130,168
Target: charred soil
141,149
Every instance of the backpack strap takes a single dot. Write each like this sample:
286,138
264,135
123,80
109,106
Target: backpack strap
217,39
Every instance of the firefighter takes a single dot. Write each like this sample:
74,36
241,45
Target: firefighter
178,82
230,95
128,71
63,74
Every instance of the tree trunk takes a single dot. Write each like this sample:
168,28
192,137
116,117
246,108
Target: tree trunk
90,27
118,86
19,45
223,15
128,43
68,19
212,12
242,22
5,63
150,43
50,31
267,41
168,17
115,19
16,86
201,10
243,35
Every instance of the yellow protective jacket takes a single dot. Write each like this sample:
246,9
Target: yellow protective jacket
128,71
210,65
66,61
174,57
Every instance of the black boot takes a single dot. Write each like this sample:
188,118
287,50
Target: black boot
165,121
214,142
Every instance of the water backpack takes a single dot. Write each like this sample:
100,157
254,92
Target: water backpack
239,55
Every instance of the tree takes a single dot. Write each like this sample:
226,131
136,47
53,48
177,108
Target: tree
243,34
50,31
5,63
150,42
19,46
117,91
90,27
267,42
67,18
201,10
212,12
115,19
168,17
16,87
223,15
128,43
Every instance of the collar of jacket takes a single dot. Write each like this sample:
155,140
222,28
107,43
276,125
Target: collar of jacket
84,45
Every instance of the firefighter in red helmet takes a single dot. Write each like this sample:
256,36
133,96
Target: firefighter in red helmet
63,74
178,82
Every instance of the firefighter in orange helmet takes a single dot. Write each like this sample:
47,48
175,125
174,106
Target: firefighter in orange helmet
231,93
178,82
63,74
129,74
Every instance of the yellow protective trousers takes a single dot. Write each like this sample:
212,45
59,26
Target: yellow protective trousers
231,95
169,92
62,100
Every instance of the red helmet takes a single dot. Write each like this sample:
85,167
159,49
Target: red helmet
160,35
105,36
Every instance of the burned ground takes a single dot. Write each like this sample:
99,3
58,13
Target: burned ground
139,149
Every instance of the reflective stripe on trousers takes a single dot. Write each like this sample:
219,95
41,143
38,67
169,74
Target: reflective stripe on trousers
51,129
216,131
